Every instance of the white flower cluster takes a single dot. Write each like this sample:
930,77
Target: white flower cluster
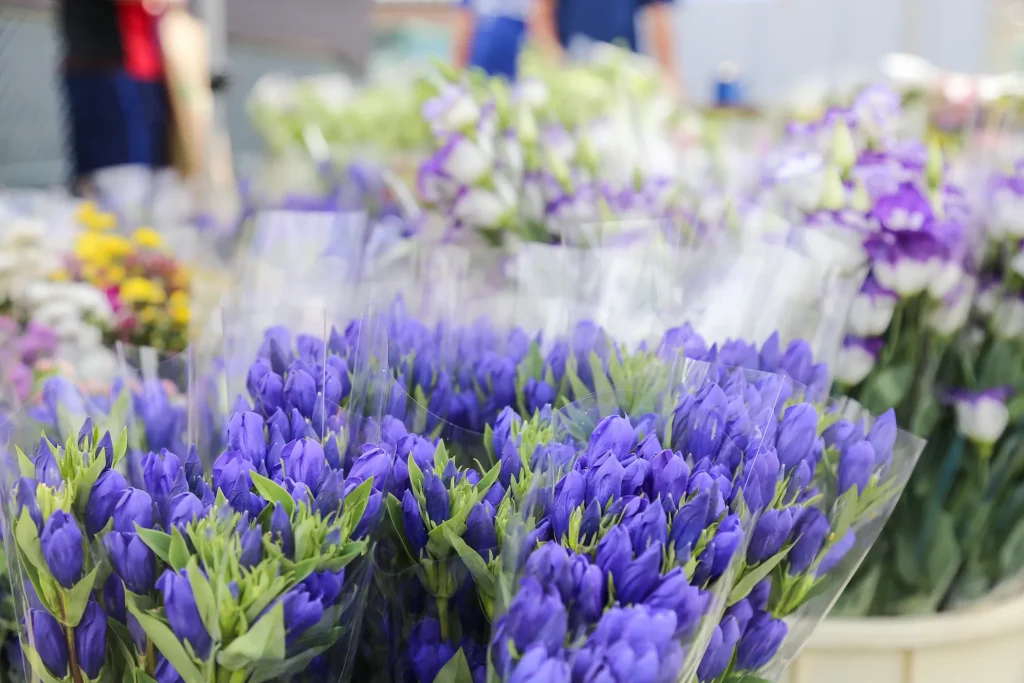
77,312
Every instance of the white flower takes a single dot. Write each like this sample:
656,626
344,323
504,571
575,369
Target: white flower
853,364
870,314
945,280
1008,214
1007,319
952,314
465,161
532,92
987,300
1017,262
982,418
484,208
907,277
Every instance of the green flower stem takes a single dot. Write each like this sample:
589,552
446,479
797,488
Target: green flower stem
69,634
442,617
150,658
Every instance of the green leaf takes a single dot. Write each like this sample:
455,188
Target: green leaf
456,670
355,502
263,642
158,542
606,402
1016,408
288,667
206,602
485,583
441,458
1011,555
753,577
394,508
177,554
166,642
415,477
845,512
76,599
273,492
121,447
36,664
943,555
889,387
123,639
485,484
28,469
28,541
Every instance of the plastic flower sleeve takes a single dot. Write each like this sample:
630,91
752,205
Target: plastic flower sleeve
842,473
635,544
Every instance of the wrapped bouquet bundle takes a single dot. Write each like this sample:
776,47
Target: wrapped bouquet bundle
155,570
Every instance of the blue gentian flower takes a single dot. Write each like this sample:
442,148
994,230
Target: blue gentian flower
132,559
613,434
49,641
182,612
102,498
719,651
856,465
760,642
91,639
61,543
797,433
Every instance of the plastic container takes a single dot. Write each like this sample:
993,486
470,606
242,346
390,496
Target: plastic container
978,644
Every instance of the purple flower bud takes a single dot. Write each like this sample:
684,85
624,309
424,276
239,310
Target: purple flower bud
91,639
882,438
649,528
690,522
675,593
760,642
760,476
613,434
682,340
245,435
770,534
25,498
250,547
589,594
615,553
536,667
839,434
570,493
640,577
133,507
799,479
281,530
742,612
133,561
591,524
328,499
707,424
604,484
49,641
435,493
371,516
536,616
304,461
809,534
61,543
302,612
856,464
310,348
257,371
719,651
720,550
636,471
182,613
47,469
374,463
270,396
426,651
503,428
231,475
537,394
797,433
113,598
279,421
836,553
183,510
669,477
165,673
415,532
480,534
798,361
164,479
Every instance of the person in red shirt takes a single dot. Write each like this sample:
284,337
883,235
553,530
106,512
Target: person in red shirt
112,71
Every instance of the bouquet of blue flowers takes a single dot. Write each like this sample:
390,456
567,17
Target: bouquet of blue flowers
254,572
698,543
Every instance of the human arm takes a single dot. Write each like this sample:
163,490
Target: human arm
544,27
661,37
463,34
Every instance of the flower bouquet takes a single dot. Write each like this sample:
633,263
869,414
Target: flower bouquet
147,287
163,572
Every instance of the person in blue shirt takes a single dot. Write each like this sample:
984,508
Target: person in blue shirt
489,35
557,24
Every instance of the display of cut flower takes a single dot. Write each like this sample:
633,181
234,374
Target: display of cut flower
146,286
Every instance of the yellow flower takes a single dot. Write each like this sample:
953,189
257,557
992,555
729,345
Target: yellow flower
90,247
99,221
148,238
91,271
115,274
118,246
180,315
138,290
149,315
85,211
179,298
60,276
